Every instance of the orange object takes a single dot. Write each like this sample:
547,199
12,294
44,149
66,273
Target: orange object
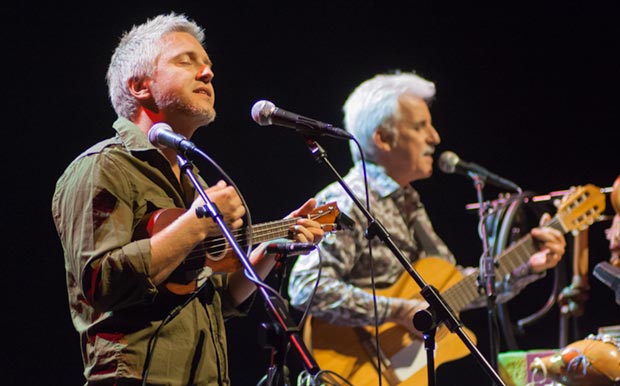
594,361
615,195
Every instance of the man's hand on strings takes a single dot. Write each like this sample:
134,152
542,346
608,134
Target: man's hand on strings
306,230
552,246
229,204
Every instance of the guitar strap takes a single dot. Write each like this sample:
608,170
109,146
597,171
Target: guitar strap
422,235
418,220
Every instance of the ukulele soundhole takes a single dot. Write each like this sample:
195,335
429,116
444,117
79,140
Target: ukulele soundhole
216,248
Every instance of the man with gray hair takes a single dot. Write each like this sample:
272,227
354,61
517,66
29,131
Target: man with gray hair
129,287
389,116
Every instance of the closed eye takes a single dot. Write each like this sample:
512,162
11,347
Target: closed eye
418,126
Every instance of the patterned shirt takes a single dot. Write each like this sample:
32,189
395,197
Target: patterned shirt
98,204
341,297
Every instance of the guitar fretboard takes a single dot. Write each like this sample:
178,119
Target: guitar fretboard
260,233
467,290
271,230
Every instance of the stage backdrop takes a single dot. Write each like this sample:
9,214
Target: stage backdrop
529,90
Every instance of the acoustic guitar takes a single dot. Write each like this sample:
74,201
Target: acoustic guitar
215,252
351,352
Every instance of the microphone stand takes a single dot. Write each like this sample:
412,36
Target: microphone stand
274,305
278,372
438,310
487,270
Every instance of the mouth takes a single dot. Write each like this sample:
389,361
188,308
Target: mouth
204,91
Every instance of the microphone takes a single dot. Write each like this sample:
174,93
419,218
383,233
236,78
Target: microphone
450,163
162,136
610,276
290,248
265,113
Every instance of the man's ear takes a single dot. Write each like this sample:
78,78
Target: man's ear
139,88
383,138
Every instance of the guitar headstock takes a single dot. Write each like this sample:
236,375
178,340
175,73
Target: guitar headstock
581,208
330,217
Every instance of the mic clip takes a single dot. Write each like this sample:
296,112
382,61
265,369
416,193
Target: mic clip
286,249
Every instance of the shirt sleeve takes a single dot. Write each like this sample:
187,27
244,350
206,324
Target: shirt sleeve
333,298
93,212
229,309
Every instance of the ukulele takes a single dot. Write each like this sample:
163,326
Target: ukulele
215,252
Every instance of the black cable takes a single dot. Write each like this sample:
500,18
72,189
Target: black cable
322,378
306,312
372,267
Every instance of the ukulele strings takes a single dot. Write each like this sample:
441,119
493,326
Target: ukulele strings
261,232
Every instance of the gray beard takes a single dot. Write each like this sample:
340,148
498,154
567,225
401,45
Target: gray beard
174,104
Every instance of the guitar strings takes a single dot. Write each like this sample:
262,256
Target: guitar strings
260,233
465,291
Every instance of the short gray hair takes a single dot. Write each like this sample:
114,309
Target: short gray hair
135,57
374,102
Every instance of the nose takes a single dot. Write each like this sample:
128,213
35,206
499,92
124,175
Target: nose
205,74
433,136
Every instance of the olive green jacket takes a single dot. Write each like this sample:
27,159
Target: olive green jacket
98,204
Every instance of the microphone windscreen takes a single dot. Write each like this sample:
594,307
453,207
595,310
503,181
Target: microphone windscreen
154,132
448,161
261,112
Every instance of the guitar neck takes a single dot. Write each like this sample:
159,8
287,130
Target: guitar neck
270,230
467,290
328,216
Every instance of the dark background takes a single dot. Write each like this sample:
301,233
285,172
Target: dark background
527,89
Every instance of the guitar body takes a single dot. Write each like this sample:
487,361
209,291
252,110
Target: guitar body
349,351
339,348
